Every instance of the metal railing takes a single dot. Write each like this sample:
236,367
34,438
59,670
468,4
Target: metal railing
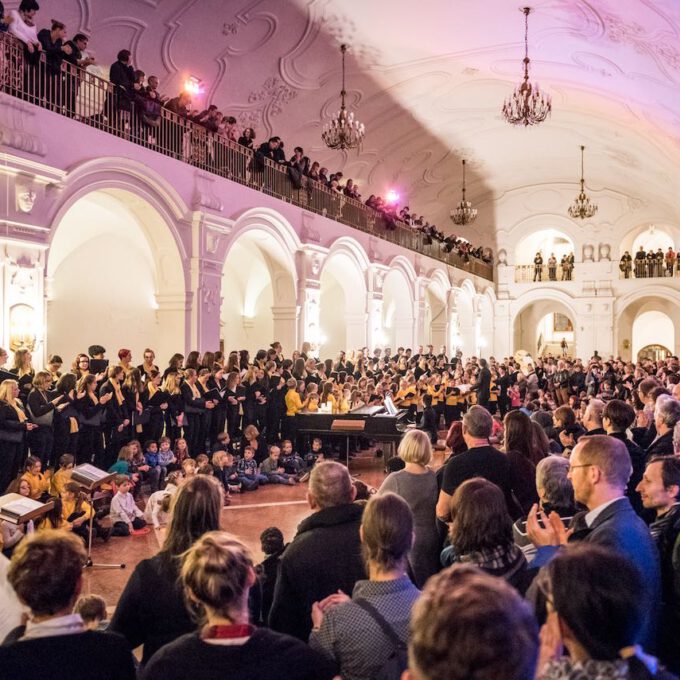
87,97
645,269
529,273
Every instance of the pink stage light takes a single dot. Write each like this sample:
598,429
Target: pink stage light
392,196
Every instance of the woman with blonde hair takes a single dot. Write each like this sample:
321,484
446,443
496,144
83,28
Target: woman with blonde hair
13,427
217,574
417,485
23,369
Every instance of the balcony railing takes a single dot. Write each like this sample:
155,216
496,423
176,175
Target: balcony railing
528,273
79,94
643,269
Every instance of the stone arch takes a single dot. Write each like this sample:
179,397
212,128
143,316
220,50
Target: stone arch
398,314
663,235
343,313
115,267
529,314
259,282
628,309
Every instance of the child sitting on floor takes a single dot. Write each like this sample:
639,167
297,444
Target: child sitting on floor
273,468
151,458
291,462
125,515
166,458
39,482
77,512
157,510
62,475
248,475
231,474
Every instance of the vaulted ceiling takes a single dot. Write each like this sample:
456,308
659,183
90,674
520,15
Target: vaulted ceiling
428,79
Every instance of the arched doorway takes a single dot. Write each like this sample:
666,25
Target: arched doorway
342,314
650,320
258,294
653,335
541,327
398,318
435,316
114,277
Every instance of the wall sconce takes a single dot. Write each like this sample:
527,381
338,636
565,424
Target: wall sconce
22,328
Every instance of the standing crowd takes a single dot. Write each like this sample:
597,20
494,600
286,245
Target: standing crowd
557,510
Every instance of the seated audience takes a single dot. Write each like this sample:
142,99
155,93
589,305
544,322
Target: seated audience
92,610
217,574
55,642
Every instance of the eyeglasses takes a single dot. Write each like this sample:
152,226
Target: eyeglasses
573,467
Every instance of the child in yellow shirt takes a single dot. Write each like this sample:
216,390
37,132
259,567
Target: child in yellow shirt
39,483
62,475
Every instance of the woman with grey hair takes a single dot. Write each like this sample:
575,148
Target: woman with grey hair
555,494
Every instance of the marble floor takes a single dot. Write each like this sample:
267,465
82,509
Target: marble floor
247,516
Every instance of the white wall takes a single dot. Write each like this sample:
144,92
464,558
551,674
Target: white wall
653,328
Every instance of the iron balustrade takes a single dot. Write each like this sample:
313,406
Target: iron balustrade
82,95
526,273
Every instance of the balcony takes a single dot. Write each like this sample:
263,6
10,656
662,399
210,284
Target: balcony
526,273
78,94
649,270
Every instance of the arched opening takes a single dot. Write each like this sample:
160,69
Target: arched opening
651,237
258,294
398,319
653,334
649,320
115,278
435,316
542,327
342,316
547,242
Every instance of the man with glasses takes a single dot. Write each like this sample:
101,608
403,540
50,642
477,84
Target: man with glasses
599,469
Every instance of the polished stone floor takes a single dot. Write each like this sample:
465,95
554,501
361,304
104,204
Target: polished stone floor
247,516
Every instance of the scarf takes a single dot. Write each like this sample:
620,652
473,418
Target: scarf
500,561
194,391
152,389
20,414
118,393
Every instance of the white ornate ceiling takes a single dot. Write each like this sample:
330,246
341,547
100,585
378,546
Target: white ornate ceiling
428,80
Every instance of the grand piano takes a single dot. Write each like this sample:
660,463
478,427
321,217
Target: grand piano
374,422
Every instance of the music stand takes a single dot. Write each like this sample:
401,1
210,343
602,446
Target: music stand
91,478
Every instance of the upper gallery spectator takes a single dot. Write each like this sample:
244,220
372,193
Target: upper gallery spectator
122,76
325,555
23,26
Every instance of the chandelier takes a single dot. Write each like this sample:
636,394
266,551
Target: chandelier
582,207
343,131
464,213
527,106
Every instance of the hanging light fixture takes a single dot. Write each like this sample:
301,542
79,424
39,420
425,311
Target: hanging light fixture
527,105
582,208
464,213
343,131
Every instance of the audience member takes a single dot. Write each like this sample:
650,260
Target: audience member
217,573
366,634
324,556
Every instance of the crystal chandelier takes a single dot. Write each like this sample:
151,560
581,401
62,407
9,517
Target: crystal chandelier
343,131
464,213
582,207
527,106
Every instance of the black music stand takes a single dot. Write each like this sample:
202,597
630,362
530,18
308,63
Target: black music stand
91,478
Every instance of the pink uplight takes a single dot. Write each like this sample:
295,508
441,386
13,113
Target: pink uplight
392,196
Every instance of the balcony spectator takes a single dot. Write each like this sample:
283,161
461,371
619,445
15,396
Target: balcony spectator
626,264
228,128
323,175
313,172
5,19
297,167
22,26
180,104
122,77
247,138
77,56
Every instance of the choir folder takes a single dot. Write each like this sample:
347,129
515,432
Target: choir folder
18,509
